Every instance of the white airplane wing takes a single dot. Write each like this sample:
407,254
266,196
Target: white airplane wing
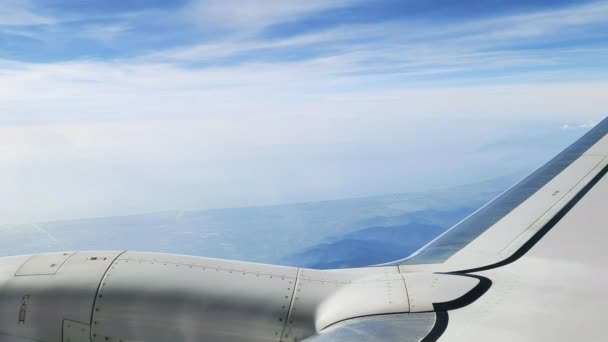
528,266
538,251
507,227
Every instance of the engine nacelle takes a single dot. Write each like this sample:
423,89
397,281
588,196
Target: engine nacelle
131,296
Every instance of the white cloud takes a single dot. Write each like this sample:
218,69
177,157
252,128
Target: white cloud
104,33
581,126
551,22
405,52
98,91
22,13
247,15
234,46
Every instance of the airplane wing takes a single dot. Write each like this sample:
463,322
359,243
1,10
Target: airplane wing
508,226
528,266
538,251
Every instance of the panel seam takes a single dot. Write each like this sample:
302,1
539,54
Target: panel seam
407,294
99,289
600,164
293,296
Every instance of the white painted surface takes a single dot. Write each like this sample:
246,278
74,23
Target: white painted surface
159,297
506,236
424,289
558,291
76,331
323,298
600,148
42,264
68,293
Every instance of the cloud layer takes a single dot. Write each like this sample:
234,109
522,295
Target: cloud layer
121,107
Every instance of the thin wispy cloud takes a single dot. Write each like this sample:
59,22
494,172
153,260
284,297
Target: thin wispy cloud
584,126
249,17
22,13
406,50
416,47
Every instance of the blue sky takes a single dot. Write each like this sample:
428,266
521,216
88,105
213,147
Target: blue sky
414,41
114,107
